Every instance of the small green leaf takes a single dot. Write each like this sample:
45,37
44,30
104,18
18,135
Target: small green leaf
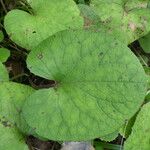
1,36
126,21
3,73
4,54
145,43
47,18
140,136
99,84
10,137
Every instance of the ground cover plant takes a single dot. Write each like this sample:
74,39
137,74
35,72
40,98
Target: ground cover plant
74,73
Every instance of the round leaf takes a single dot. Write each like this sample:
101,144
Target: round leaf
4,54
99,84
47,18
128,21
140,136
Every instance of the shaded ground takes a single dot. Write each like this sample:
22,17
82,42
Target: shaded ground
36,144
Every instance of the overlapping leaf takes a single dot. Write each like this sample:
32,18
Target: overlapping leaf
46,18
127,20
99,84
12,96
140,137
145,43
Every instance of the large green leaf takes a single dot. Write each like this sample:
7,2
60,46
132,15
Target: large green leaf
140,137
99,84
11,139
128,20
47,18
145,43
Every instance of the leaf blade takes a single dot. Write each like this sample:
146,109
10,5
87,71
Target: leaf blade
84,86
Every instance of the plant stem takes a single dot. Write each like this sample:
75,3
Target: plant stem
18,76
